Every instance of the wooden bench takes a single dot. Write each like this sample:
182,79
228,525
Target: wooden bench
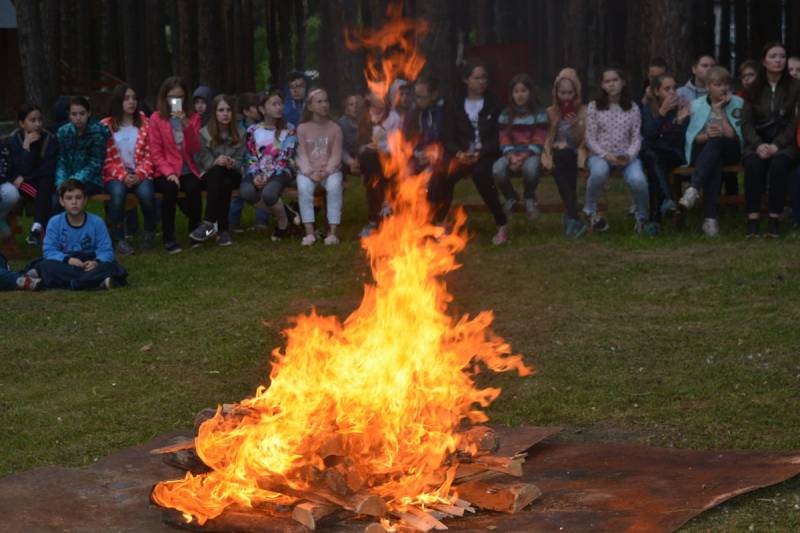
675,182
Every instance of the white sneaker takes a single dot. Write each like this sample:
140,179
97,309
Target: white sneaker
501,237
531,209
331,239
308,240
711,227
689,198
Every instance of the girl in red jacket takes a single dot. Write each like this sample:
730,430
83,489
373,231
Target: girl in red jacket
174,129
128,167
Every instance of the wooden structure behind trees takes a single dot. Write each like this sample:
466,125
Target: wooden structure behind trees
82,46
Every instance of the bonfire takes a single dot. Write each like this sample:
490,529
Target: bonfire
374,415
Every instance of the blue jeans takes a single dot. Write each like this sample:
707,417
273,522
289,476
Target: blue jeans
9,196
599,169
530,177
235,214
8,279
144,191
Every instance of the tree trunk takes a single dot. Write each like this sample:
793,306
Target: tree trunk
793,26
671,38
39,85
765,24
132,15
740,14
109,33
159,62
187,29
482,17
576,52
439,45
704,27
209,40
51,42
725,34
243,52
300,14
273,42
635,60
284,23
342,69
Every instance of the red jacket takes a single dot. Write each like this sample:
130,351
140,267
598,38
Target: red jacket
163,150
114,168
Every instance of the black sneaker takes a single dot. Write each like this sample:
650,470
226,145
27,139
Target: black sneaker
599,224
203,232
34,238
147,240
224,239
773,228
124,249
753,228
279,234
172,247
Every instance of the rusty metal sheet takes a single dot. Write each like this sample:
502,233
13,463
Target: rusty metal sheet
585,487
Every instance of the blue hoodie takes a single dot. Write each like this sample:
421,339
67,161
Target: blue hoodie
63,240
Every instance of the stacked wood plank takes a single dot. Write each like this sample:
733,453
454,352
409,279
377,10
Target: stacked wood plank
481,480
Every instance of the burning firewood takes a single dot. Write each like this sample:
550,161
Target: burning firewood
310,513
483,438
499,497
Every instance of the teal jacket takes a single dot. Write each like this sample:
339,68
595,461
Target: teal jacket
701,109
81,157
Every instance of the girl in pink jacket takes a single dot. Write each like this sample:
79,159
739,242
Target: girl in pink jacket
174,141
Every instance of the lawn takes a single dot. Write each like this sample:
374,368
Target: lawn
673,341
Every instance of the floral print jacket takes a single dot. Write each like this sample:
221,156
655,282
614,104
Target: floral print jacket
273,158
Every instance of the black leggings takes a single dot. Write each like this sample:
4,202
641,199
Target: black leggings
481,173
219,184
758,172
191,206
565,172
375,183
41,189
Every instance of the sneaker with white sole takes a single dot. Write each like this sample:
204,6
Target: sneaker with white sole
598,223
501,237
368,230
204,231
124,249
107,284
331,239
308,240
531,209
689,198
710,227
508,207
28,283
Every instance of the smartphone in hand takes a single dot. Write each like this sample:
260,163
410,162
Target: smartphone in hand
176,105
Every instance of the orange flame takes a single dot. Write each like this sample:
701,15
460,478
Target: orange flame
383,392
395,42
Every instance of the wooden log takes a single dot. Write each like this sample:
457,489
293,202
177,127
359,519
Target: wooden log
184,444
236,520
309,513
335,481
371,505
484,438
499,497
489,466
464,504
427,517
186,460
452,510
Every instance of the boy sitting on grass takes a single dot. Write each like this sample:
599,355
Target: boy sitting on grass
77,248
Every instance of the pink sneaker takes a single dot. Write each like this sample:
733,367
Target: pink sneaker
501,236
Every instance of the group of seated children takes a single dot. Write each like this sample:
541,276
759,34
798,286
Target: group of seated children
190,145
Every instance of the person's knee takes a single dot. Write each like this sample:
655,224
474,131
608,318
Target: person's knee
530,168
270,196
333,183
500,169
9,195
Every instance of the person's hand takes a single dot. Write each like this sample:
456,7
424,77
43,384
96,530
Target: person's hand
89,266
668,105
30,138
174,179
180,115
773,149
515,161
259,181
74,261
612,160
719,106
230,162
560,145
764,151
18,181
131,180
713,131
683,113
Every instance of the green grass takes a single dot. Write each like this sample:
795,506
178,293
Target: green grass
672,341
